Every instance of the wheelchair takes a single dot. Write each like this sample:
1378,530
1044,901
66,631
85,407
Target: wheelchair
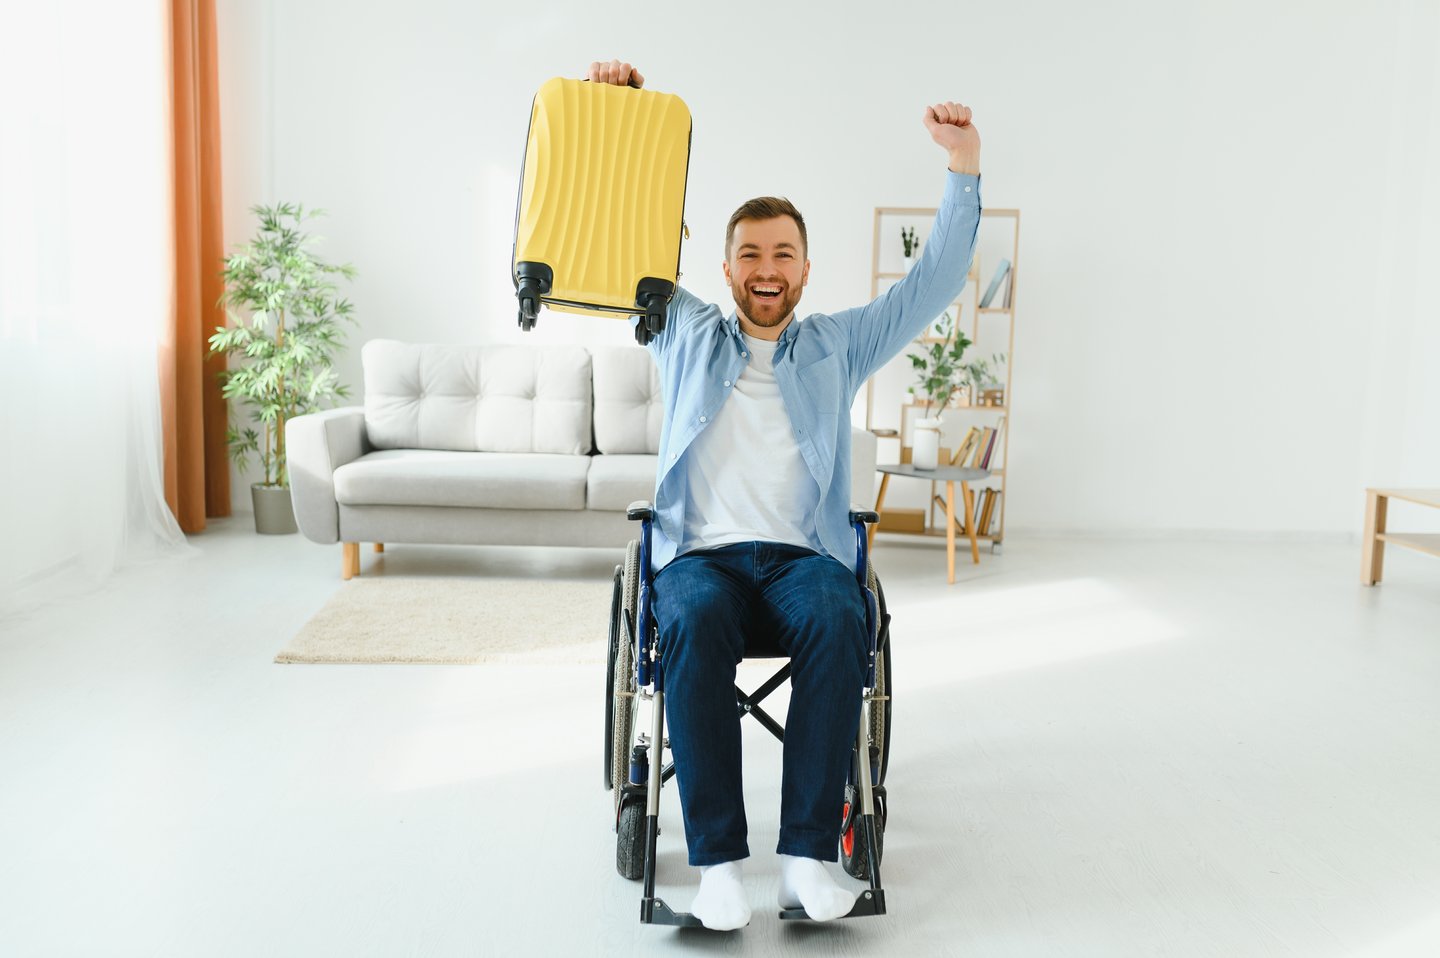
635,766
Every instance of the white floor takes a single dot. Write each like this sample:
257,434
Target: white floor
1101,748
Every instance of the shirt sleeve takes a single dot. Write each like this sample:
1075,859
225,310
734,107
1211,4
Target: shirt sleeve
881,328
682,311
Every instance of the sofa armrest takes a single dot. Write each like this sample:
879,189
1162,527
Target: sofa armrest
315,446
862,467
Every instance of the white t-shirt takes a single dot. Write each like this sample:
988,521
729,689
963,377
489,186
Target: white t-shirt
746,479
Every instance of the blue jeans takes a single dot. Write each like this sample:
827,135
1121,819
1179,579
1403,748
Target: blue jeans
708,606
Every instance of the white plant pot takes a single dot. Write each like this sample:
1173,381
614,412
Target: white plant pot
925,451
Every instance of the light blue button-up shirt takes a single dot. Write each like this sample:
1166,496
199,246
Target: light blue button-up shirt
821,363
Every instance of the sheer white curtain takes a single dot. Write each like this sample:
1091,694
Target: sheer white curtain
85,290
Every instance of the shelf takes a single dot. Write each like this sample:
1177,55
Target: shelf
1421,541
1002,242
937,534
950,409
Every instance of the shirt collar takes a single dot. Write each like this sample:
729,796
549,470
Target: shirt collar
732,323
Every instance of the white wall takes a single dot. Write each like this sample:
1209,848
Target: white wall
1228,309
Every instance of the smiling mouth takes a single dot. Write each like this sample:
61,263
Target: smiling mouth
765,292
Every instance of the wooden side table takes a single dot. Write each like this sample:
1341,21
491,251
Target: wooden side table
1372,545
948,475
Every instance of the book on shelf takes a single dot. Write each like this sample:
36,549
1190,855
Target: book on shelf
982,448
966,447
982,526
993,442
1001,272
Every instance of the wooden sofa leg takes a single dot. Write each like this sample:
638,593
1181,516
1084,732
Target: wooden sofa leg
379,547
349,560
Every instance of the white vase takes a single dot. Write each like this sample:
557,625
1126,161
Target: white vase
925,451
909,262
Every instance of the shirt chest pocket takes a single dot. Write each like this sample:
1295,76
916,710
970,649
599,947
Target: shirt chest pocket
821,382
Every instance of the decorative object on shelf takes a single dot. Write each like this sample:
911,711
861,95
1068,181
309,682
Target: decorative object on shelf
985,376
938,365
911,246
285,311
1001,272
925,449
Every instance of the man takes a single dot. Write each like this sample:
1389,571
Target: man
752,534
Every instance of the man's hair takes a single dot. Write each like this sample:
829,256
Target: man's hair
766,208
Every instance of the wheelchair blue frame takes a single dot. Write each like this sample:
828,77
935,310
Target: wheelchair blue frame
649,674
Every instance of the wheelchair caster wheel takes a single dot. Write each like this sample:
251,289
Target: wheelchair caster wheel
630,840
855,851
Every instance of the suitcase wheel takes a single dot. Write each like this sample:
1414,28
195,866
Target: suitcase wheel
528,311
532,280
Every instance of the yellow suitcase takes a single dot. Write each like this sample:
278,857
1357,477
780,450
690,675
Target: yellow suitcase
601,210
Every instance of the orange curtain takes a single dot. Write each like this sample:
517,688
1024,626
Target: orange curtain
197,471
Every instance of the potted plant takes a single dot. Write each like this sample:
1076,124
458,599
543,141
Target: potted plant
940,373
911,246
938,366
285,315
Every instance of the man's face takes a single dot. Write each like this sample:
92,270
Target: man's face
766,271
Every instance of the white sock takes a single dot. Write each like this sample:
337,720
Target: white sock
720,905
804,883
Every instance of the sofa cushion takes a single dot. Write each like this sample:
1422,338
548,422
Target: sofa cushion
616,481
428,477
628,402
477,398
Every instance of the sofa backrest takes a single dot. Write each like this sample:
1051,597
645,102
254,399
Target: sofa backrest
478,398
628,403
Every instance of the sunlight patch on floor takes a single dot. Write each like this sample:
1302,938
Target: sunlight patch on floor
1008,630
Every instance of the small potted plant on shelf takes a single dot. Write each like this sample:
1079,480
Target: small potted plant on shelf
285,316
911,245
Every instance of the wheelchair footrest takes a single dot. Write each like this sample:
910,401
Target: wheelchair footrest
870,902
654,911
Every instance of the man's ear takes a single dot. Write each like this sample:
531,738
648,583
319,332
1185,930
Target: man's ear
805,276
725,265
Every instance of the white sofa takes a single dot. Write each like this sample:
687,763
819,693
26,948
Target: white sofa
489,445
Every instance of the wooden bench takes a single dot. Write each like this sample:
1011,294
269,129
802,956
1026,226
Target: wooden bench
1372,560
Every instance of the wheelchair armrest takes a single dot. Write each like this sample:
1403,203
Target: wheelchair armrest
864,515
639,509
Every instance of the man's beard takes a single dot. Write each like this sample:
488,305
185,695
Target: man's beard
765,313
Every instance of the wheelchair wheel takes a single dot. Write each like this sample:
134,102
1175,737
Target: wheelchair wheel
613,650
630,840
622,678
880,711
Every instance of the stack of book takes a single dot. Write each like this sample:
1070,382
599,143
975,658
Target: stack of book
977,449
987,510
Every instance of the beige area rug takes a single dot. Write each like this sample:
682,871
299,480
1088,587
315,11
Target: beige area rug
383,619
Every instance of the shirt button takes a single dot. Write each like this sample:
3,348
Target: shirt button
727,382
967,189
672,457
744,355
702,418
